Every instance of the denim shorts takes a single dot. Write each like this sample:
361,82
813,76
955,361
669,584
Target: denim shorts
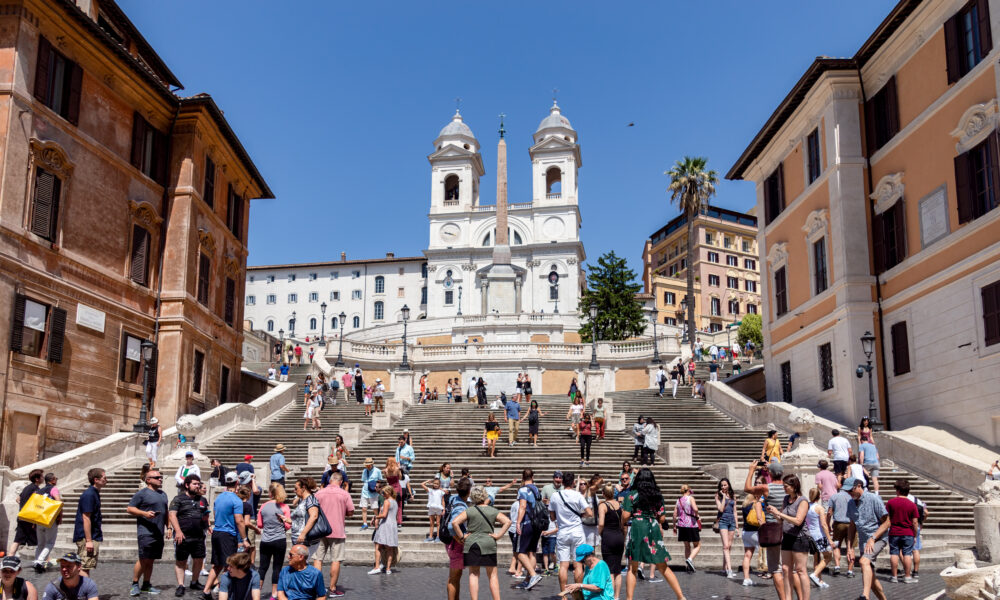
901,544
727,522
549,544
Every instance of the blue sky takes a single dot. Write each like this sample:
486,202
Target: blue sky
338,102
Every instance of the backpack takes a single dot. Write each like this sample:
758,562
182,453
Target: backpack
539,514
444,534
921,511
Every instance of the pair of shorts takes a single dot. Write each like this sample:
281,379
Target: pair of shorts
840,532
89,559
872,470
839,467
367,502
750,540
549,544
151,448
901,544
791,542
688,534
823,545
456,557
475,558
880,545
434,511
527,542
566,545
223,546
332,549
189,547
727,522
25,534
150,547
919,542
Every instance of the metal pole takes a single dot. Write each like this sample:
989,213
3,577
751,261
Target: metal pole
405,364
556,286
340,350
141,425
322,330
593,346
459,301
876,425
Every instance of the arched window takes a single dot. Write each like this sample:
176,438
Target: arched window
380,285
334,323
512,235
379,310
270,325
357,322
451,189
553,183
312,324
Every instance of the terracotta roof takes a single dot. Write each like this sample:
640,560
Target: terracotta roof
821,65
336,263
114,12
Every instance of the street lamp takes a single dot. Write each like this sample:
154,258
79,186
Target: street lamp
322,326
291,325
406,317
148,351
281,344
868,346
460,300
555,286
656,349
593,338
340,351
684,304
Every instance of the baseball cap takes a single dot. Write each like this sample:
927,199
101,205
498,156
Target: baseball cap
245,477
557,474
189,453
850,483
10,562
71,557
248,458
232,477
583,550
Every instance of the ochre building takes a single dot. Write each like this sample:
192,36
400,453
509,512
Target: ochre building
123,218
878,179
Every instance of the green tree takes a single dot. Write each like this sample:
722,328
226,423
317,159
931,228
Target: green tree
612,286
749,331
691,186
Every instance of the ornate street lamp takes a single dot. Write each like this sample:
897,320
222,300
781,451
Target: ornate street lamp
460,300
406,317
148,351
593,338
340,351
291,326
656,348
322,325
868,347
684,329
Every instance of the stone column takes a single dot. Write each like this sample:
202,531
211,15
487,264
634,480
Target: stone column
987,514
593,383
188,426
402,383
803,460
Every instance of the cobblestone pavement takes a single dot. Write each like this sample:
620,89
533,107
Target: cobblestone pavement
426,583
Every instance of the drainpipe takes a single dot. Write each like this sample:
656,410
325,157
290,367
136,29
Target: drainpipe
883,377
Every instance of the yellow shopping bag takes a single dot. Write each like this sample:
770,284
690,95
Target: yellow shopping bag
40,510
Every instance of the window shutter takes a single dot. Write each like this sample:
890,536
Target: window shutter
991,313
241,203
161,157
57,334
43,213
870,126
121,357
781,188
963,188
899,223
75,88
900,349
138,133
985,35
17,324
204,265
209,187
892,108
230,206
768,216
878,244
153,364
951,49
138,270
42,68
230,307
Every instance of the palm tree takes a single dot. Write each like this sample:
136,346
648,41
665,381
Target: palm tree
691,185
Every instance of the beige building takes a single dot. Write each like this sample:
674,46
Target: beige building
123,218
727,280
878,177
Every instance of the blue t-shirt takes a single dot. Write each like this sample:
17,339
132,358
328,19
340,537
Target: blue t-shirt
306,584
243,467
458,506
226,507
284,369
90,502
226,580
871,453
277,461
713,367
599,575
866,513
529,493
86,589
514,410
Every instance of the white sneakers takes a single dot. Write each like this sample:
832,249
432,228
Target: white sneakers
747,583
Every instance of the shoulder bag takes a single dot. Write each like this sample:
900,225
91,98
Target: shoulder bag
321,528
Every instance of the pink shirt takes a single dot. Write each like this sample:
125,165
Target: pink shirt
335,503
828,481
347,380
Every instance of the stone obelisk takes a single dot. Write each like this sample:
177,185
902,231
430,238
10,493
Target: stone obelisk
501,249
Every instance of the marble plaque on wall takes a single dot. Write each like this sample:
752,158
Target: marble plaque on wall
933,217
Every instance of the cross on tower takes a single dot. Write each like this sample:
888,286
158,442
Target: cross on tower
458,105
502,130
555,92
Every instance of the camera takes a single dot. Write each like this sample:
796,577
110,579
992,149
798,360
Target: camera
860,372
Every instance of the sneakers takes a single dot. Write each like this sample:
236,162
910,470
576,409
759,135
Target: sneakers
149,589
814,579
520,586
517,576
894,579
364,526
134,590
639,575
375,572
654,578
204,573
533,582
39,568
823,585
850,574
196,585
909,580
690,565
335,594
187,572
915,574
180,591
388,571
836,572
731,575
747,583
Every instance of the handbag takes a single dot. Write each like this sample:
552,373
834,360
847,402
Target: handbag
769,534
40,510
321,528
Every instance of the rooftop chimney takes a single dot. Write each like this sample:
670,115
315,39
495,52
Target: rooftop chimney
390,255
343,257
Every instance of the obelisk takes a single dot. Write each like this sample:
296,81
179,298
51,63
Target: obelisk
501,249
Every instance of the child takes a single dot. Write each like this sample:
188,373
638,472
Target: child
435,507
514,569
368,401
550,566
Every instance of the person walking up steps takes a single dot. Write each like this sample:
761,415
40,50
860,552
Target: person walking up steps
661,380
651,441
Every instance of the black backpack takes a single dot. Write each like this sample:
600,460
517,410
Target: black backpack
539,514
444,534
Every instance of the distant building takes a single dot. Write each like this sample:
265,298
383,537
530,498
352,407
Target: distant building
878,178
124,219
725,267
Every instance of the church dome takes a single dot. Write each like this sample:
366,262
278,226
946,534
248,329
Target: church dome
457,127
555,120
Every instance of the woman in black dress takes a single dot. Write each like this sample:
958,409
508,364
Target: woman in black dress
534,415
481,392
526,387
609,527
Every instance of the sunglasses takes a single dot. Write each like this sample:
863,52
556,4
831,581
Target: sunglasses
155,477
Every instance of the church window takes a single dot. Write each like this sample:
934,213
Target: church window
270,324
517,239
512,235
449,298
553,292
486,240
451,189
356,322
312,324
553,183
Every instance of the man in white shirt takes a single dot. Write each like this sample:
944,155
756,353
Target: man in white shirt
271,372
839,449
567,507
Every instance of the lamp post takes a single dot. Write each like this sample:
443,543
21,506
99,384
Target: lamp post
148,350
291,326
322,326
555,286
593,338
281,344
868,346
406,317
684,334
340,351
460,300
656,348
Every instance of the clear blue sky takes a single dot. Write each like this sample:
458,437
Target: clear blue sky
338,102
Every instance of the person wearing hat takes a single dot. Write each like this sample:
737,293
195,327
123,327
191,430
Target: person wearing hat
278,468
72,585
549,489
377,393
245,465
229,534
188,468
14,587
369,494
188,514
153,441
149,507
597,583
870,523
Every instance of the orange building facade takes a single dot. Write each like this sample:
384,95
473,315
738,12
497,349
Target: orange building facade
123,218
727,277
878,179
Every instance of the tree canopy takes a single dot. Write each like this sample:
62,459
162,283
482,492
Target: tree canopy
612,286
750,330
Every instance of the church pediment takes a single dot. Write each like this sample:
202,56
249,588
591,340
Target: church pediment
553,143
451,151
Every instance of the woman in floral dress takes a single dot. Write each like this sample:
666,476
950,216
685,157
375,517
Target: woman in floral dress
644,506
